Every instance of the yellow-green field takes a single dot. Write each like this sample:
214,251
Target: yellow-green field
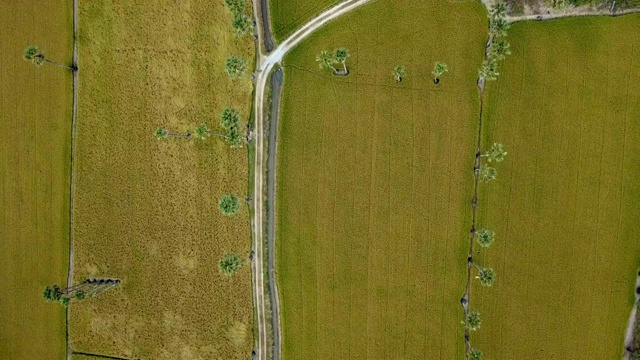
565,205
288,15
375,181
146,210
35,120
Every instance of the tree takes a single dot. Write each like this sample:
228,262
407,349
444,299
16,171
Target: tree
487,173
438,69
202,132
496,153
161,133
326,59
242,24
498,10
229,264
235,6
500,49
341,56
489,69
36,56
65,301
399,72
498,26
472,321
474,354
79,295
47,294
485,237
236,66
486,275
229,118
229,204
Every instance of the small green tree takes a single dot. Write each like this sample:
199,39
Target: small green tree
236,66
472,321
242,24
399,72
496,153
498,26
36,56
500,49
498,10
48,293
229,264
80,295
229,118
486,275
202,132
474,354
326,60
489,70
65,301
229,204
161,133
342,54
438,69
235,6
485,237
488,173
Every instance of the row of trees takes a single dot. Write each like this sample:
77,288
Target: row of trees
498,45
485,238
230,121
439,69
241,23
86,289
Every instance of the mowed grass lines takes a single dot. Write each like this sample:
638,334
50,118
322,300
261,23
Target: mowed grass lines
289,15
147,210
565,205
375,181
35,118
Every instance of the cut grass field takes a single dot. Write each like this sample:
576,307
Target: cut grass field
146,211
35,118
374,184
565,205
289,15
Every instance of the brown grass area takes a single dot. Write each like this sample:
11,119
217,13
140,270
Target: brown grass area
35,120
146,210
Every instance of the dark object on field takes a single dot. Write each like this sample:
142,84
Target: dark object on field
340,72
436,81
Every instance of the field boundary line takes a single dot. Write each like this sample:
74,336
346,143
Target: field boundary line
74,115
101,355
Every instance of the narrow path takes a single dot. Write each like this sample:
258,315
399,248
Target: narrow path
264,65
101,356
276,92
74,116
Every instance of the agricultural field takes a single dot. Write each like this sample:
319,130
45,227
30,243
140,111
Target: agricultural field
146,210
35,118
374,184
289,15
565,205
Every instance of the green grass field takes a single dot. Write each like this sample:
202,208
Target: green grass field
35,118
289,15
565,205
146,210
374,184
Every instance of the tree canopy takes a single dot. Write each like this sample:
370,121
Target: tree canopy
229,264
229,204
473,321
399,72
487,173
474,354
485,237
496,153
236,66
33,54
438,69
486,276
326,59
202,132
161,133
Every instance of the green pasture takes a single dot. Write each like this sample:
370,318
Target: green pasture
375,182
289,15
565,205
35,120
